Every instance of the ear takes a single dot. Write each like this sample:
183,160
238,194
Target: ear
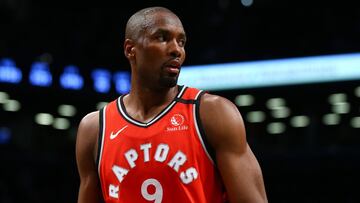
129,48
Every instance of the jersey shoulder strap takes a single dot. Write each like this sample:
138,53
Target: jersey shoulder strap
190,96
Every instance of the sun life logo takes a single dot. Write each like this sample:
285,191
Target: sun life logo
177,121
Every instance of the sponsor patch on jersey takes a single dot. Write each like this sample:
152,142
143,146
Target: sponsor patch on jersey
177,120
177,123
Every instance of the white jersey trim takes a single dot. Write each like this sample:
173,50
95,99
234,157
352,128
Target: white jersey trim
131,120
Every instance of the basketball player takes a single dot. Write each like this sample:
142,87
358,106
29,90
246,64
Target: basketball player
163,142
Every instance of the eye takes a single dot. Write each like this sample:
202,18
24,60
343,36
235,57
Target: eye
181,42
160,37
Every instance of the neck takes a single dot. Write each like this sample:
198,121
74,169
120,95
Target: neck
146,97
144,103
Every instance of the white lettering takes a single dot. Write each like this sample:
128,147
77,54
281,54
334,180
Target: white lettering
145,148
177,161
131,157
157,195
189,175
114,191
182,127
119,172
161,152
161,155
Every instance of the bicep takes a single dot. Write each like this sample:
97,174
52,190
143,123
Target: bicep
89,191
237,164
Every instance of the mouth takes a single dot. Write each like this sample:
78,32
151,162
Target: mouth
173,67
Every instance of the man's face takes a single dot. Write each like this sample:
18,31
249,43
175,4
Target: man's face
160,51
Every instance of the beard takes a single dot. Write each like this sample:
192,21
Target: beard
168,81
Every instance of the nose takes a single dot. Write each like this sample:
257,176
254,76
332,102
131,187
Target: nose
175,50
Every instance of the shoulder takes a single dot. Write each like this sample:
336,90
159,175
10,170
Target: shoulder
214,105
211,100
221,120
90,122
88,132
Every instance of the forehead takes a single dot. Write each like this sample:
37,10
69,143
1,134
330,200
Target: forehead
163,20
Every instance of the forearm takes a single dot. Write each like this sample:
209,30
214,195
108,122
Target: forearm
242,177
89,193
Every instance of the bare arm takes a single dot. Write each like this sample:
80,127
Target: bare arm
236,162
86,150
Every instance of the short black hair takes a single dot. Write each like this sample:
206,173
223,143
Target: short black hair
140,20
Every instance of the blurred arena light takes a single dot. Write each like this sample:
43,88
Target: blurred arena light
40,74
274,103
357,91
44,119
299,121
9,73
122,82
244,100
67,110
341,108
276,128
280,112
355,122
267,73
12,105
102,80
331,119
61,123
71,79
5,135
3,97
255,116
337,98
247,3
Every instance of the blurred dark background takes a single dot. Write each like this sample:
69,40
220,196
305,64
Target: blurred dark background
316,162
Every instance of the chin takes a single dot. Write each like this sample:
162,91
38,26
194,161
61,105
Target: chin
168,82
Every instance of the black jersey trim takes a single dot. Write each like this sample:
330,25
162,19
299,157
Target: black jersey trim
100,137
122,110
185,101
208,148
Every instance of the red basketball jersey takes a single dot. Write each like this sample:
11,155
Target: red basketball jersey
165,160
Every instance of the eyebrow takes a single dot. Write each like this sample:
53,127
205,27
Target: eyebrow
167,31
